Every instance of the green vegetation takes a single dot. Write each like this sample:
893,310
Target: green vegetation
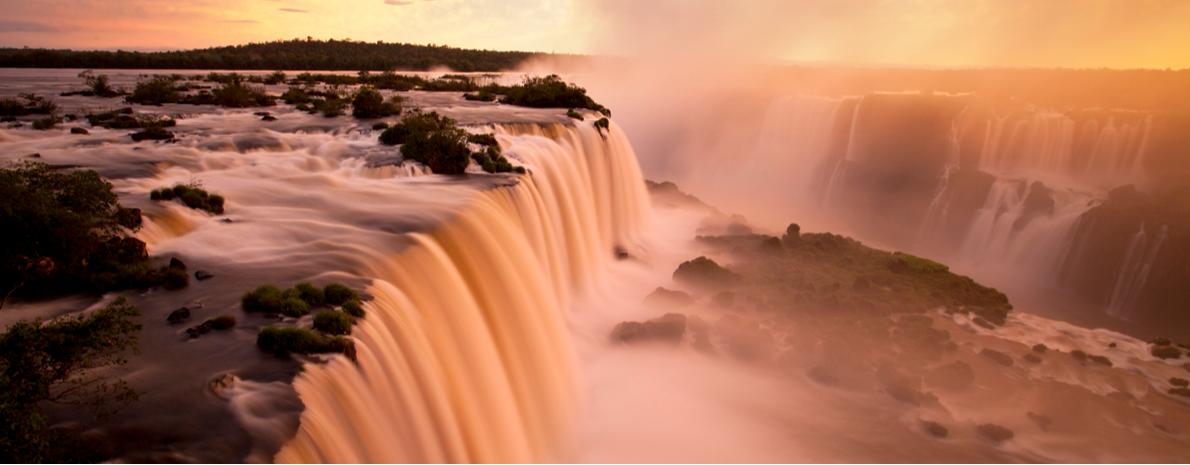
379,126
124,118
550,92
431,139
27,104
294,307
353,308
67,360
369,104
97,86
65,233
574,114
155,91
192,195
47,123
291,54
309,294
295,96
282,341
332,322
266,298
602,124
337,294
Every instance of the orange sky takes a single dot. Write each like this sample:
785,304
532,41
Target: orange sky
1031,33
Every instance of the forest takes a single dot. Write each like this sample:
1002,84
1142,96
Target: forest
285,55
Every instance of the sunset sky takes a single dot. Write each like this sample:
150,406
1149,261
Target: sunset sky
1022,33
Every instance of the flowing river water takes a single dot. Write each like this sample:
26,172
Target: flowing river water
490,299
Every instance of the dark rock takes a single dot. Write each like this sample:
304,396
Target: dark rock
1166,352
199,330
77,130
997,356
222,322
621,254
1112,345
226,220
822,376
179,315
703,271
175,263
1039,202
1079,355
1161,341
953,376
696,324
1179,382
1184,392
151,135
35,155
1040,348
935,429
269,118
1031,358
203,275
669,328
996,433
666,298
1042,421
1100,360
262,113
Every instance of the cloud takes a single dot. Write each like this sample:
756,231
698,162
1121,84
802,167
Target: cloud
292,10
240,21
25,26
397,2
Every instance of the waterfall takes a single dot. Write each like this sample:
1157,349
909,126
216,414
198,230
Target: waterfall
464,355
1134,272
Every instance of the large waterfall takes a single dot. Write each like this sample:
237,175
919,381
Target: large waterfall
949,177
464,355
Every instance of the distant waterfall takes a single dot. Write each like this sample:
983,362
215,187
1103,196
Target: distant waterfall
464,355
1134,272
1051,143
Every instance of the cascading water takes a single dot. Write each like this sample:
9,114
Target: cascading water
1134,272
464,356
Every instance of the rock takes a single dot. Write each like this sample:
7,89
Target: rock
1111,346
1161,341
621,254
226,220
1100,360
222,322
175,263
1179,382
996,433
35,155
203,275
179,315
935,429
822,376
222,383
262,113
953,376
81,131
666,298
1031,358
269,118
1040,348
1079,355
1181,391
204,328
997,356
1166,352
151,135
670,328
704,272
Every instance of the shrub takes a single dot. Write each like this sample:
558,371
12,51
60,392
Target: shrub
175,278
353,308
266,298
481,96
574,114
223,322
192,196
482,139
155,91
379,125
336,294
332,322
602,124
47,123
98,84
297,340
277,77
294,307
295,96
368,104
432,140
550,92
238,95
310,294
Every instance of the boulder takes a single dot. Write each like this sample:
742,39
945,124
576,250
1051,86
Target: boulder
179,315
203,275
175,263
663,297
204,328
996,433
268,118
81,131
670,328
935,429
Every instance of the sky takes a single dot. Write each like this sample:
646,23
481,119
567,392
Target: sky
943,33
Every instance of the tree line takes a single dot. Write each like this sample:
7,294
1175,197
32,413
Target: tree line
285,55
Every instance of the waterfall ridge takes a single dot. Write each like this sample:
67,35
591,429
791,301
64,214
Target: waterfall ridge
464,355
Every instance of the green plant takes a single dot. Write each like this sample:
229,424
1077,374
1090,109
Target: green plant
379,125
47,123
337,294
294,307
67,360
155,91
332,322
368,104
266,298
431,139
353,308
302,341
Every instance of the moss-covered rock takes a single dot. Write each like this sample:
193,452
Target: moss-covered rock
332,322
282,341
704,272
337,294
294,307
266,298
353,308
1166,352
